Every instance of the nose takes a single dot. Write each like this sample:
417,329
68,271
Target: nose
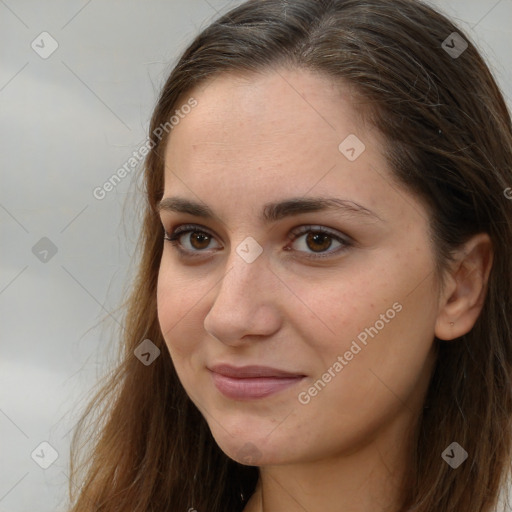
245,304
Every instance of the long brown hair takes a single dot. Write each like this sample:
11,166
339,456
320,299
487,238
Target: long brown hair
449,140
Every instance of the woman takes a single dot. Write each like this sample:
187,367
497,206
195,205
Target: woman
321,315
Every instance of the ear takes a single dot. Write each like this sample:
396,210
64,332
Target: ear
465,288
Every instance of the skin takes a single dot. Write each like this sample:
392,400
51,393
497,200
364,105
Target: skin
269,137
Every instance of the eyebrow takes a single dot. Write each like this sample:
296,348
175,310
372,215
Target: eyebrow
273,211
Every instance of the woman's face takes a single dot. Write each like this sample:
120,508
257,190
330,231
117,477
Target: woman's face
299,303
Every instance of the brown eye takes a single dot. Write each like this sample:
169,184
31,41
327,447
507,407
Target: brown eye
315,242
191,241
199,240
318,242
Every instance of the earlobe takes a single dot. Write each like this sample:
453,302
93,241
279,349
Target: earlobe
466,290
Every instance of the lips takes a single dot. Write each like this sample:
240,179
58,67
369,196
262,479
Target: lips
251,382
245,372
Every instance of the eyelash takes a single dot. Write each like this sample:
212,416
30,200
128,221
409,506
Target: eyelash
174,237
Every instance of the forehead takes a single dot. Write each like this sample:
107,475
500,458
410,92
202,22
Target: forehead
291,102
281,133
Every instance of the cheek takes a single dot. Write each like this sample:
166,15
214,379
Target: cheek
380,322
178,304
334,309
375,381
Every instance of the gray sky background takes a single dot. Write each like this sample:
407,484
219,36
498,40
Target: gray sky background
68,122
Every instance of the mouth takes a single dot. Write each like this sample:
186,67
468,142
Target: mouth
252,382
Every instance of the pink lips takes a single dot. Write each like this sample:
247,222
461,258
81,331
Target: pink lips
251,382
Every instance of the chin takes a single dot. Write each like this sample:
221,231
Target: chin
253,449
